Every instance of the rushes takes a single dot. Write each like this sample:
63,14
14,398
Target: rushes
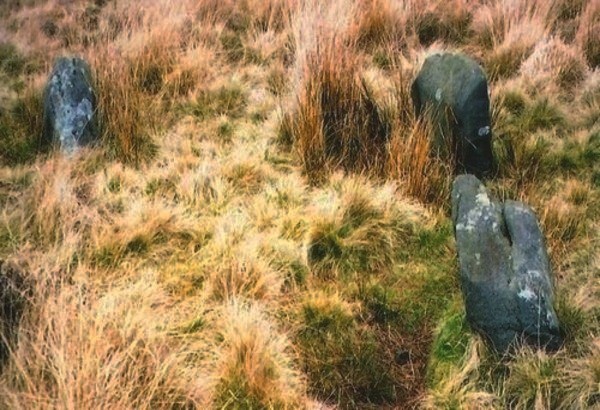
337,122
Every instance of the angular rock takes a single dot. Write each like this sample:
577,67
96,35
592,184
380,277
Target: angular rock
70,105
452,89
504,268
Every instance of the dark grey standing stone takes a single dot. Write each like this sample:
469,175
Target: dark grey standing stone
70,105
531,283
504,268
452,89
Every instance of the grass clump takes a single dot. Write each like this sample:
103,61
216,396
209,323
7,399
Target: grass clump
505,61
21,128
254,362
587,35
449,22
233,46
532,381
541,115
578,382
127,114
342,360
11,62
356,236
336,122
381,304
425,175
449,347
244,279
228,101
523,131
379,24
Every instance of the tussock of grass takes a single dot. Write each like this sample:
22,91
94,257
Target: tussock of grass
460,388
245,278
531,381
131,365
448,21
449,348
21,128
425,176
578,382
358,234
12,62
380,24
255,362
228,101
127,114
336,121
342,360
587,35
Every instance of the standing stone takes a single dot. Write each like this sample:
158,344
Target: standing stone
452,89
70,105
504,268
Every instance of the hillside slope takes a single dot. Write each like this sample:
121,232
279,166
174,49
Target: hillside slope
211,253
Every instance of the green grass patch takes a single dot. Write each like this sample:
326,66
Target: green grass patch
21,128
449,346
381,303
505,62
193,326
228,101
575,157
343,361
11,62
161,186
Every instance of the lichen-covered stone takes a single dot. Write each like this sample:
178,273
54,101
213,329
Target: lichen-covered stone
531,283
504,268
452,88
70,105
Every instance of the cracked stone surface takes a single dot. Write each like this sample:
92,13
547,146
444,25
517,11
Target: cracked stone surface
504,268
453,87
70,105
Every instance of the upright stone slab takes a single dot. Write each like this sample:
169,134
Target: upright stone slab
70,105
504,268
531,284
452,89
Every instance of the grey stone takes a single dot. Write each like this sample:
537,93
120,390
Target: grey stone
452,89
70,105
504,268
531,284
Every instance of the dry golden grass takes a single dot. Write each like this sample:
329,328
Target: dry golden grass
336,122
263,224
